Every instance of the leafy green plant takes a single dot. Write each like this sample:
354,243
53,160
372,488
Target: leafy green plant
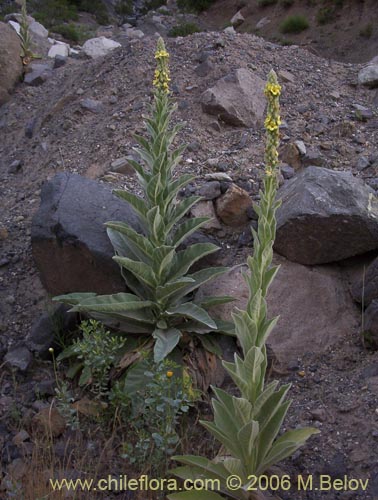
155,268
97,351
124,7
73,32
153,413
53,12
184,29
248,425
26,51
294,24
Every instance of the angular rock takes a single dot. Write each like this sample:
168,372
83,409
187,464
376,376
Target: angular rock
60,49
70,246
237,99
98,47
38,75
313,157
368,75
314,305
134,33
46,328
210,190
325,216
237,19
262,23
230,30
232,207
290,154
59,61
19,357
38,29
206,209
92,105
49,421
204,68
10,61
122,166
286,76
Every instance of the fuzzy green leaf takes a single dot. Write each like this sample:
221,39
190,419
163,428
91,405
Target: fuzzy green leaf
166,341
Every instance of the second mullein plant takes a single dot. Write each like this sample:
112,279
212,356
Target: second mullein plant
248,425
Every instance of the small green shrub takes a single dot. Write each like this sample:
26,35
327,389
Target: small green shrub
367,31
97,8
97,351
124,7
72,32
194,5
294,24
153,413
266,3
184,29
54,12
325,15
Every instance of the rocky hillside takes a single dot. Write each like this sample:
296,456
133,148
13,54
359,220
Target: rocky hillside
78,113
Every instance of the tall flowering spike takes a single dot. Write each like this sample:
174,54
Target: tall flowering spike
161,77
272,123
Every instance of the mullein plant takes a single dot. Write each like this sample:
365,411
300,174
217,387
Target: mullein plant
153,264
26,52
248,425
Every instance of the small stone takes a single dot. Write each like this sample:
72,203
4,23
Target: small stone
301,147
193,147
210,190
38,29
4,262
59,61
287,171
122,166
290,155
134,33
45,388
20,437
10,299
204,68
335,94
362,113
362,163
203,56
80,91
286,76
237,19
319,414
38,75
49,421
29,128
15,166
92,105
61,49
19,357
262,23
232,206
218,176
215,126
313,157
206,209
3,233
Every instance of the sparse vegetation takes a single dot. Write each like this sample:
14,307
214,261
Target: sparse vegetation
287,3
266,3
73,32
184,29
367,31
294,24
194,5
124,7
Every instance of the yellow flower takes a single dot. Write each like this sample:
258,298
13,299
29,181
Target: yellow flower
169,373
161,54
161,75
273,88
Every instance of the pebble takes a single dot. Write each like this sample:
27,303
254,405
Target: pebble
92,105
362,163
15,166
218,176
210,190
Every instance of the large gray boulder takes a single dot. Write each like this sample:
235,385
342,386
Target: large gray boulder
237,99
69,241
10,61
326,216
368,75
314,306
100,46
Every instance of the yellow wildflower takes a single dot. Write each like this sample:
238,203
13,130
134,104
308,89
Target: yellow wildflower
169,373
161,75
273,88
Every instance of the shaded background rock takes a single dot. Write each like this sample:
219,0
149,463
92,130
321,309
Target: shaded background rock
10,61
70,245
237,99
326,216
314,305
